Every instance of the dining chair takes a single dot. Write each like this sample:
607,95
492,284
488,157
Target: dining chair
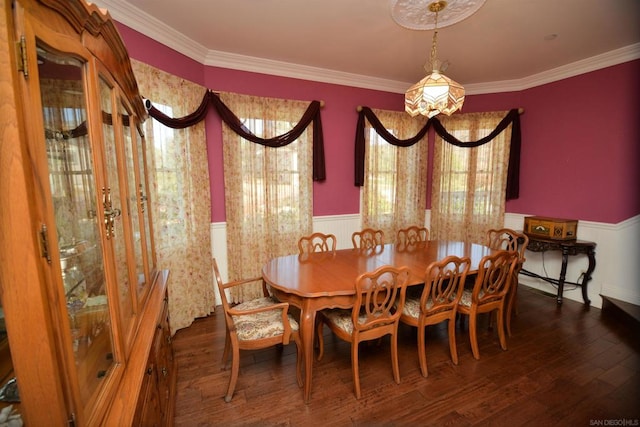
490,289
266,300
378,303
443,287
510,240
253,325
412,235
317,242
367,238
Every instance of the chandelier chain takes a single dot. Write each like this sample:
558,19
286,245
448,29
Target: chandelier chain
434,43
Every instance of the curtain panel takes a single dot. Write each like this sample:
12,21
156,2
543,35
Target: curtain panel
310,116
512,117
469,183
395,189
268,189
179,189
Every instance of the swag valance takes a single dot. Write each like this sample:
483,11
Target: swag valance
212,99
512,117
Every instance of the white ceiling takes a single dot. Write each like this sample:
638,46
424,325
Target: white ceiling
505,45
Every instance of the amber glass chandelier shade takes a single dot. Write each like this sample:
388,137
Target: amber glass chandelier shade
434,94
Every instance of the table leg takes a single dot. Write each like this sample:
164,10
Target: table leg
563,274
307,329
587,276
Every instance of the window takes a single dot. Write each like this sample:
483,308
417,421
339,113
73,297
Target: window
394,192
469,183
167,178
268,191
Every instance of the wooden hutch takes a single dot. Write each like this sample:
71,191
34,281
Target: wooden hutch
84,327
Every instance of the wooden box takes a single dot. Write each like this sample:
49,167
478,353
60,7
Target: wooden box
551,228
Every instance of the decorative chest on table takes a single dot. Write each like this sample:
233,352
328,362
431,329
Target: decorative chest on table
551,228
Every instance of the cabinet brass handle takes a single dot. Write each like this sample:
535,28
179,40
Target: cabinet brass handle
110,213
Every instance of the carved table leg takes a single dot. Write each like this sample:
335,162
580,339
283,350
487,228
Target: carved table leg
307,328
587,276
563,274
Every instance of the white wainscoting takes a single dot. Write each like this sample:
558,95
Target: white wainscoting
617,272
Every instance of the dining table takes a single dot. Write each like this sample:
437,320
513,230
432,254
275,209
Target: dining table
322,280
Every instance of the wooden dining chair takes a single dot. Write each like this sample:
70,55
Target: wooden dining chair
510,240
378,303
317,242
443,287
254,325
490,289
412,235
367,238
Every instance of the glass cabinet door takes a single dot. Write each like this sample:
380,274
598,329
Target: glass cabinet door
145,205
114,195
134,203
72,183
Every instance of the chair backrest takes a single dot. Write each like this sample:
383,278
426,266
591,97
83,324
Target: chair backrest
495,276
380,296
367,238
412,235
508,240
443,284
317,242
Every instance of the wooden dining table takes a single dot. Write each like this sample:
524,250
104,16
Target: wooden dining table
321,280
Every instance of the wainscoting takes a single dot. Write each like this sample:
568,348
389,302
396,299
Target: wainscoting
617,254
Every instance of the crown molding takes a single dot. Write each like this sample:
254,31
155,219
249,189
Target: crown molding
608,59
138,20
304,72
153,28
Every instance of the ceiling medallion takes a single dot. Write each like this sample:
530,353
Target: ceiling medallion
414,14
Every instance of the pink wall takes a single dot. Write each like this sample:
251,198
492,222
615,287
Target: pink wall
578,160
583,155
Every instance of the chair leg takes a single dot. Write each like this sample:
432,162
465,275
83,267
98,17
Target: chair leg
235,368
319,327
394,357
355,369
473,335
501,335
511,305
422,351
453,349
225,353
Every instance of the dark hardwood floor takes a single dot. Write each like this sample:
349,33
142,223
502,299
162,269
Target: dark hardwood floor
564,366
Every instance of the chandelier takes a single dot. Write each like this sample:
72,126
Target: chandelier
436,93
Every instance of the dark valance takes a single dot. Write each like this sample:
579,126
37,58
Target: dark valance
512,117
212,99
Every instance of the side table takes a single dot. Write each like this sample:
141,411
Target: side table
567,247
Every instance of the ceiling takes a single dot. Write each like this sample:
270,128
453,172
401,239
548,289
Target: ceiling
505,45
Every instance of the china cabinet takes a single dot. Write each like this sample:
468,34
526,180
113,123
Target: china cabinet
84,333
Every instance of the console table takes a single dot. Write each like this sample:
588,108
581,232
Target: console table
567,247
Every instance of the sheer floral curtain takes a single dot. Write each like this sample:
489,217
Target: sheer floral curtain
268,191
394,193
180,194
469,184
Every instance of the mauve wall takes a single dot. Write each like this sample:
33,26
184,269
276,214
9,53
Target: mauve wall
579,159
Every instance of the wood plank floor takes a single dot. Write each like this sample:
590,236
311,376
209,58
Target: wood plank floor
564,366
